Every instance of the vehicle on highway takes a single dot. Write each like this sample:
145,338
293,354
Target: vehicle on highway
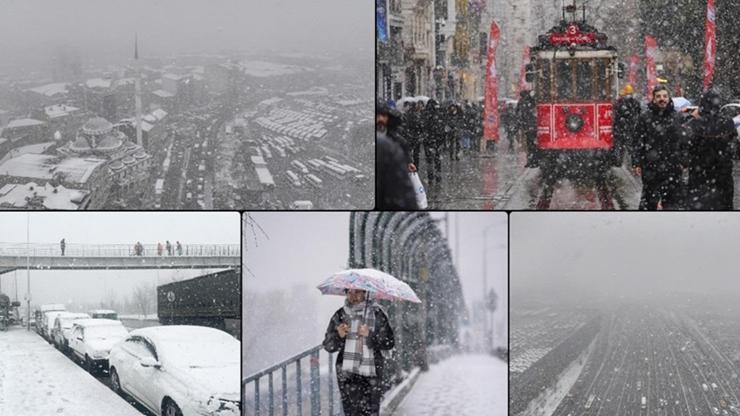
643,403
299,166
293,178
40,316
314,181
62,329
92,339
179,370
48,324
103,314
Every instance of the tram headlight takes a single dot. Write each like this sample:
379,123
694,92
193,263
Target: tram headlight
574,123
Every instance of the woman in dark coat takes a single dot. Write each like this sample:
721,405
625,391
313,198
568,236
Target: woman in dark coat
359,332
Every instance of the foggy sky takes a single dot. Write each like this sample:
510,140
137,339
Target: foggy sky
107,27
627,255
51,286
305,248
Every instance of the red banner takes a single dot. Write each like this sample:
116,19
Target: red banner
632,77
490,118
523,85
651,48
710,46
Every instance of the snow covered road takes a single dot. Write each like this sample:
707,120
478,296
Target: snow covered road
36,379
461,385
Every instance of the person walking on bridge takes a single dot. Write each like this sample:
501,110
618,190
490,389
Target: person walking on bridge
62,245
359,332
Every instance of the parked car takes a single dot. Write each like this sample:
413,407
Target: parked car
103,314
48,324
63,328
179,370
92,340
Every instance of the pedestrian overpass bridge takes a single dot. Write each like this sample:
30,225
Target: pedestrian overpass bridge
37,256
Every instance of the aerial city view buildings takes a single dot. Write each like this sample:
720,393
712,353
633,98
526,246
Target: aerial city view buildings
207,116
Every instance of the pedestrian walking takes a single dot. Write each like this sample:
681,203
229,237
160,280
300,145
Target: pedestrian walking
712,147
452,129
168,245
433,141
359,332
62,246
393,189
178,247
659,153
160,248
626,113
527,125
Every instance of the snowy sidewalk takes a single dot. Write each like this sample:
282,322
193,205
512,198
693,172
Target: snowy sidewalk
461,385
36,379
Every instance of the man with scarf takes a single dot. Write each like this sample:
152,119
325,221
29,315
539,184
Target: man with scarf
712,146
359,332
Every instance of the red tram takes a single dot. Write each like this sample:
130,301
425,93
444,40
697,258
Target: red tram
574,76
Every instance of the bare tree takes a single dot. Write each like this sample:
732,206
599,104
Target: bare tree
144,298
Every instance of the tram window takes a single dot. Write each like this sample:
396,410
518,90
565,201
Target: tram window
584,80
543,86
602,80
564,79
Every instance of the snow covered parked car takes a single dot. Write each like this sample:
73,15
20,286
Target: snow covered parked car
92,339
179,370
63,328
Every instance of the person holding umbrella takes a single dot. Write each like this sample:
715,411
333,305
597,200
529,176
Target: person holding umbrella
358,332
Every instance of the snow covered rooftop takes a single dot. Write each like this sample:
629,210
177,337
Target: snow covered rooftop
59,110
24,122
162,94
159,114
59,197
76,170
98,83
50,90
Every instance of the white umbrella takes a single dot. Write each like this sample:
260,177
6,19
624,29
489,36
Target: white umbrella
382,285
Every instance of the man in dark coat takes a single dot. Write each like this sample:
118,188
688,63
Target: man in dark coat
712,145
452,130
433,141
393,188
359,332
527,122
414,130
659,153
626,113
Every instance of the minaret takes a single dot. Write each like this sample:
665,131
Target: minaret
138,91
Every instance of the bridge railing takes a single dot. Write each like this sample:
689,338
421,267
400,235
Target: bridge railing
261,397
119,250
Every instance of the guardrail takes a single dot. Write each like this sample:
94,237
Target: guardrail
294,366
119,250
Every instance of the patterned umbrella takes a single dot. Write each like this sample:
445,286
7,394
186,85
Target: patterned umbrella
382,285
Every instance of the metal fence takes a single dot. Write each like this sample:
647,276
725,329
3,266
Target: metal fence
119,250
261,396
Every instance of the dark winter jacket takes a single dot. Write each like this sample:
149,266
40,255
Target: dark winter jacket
381,338
659,149
414,127
712,145
433,126
526,116
393,188
626,113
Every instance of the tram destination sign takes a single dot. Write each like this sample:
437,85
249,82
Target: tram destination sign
573,35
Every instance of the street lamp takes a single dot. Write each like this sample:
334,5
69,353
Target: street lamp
485,287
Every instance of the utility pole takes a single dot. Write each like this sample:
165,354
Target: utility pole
28,271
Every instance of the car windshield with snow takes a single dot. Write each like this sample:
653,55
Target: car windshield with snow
179,370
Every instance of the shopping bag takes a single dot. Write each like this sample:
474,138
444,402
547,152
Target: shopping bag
421,195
